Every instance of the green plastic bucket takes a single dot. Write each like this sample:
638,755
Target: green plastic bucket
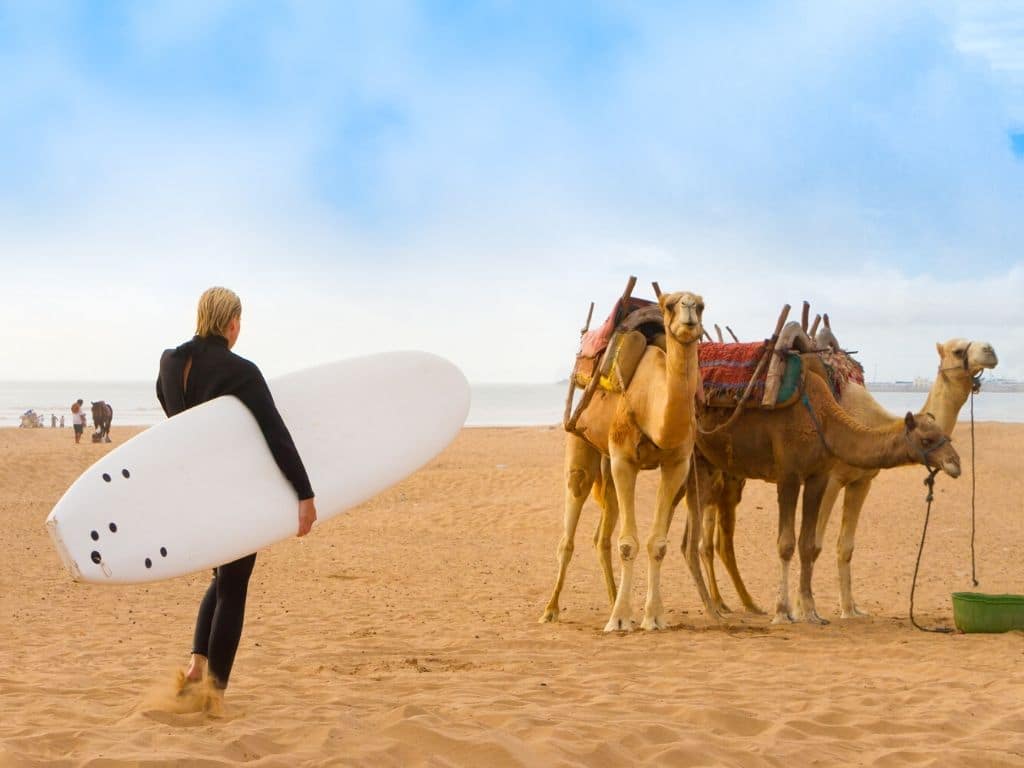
975,612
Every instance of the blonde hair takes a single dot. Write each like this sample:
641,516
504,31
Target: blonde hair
217,307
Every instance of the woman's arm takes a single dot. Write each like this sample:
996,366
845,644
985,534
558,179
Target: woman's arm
255,394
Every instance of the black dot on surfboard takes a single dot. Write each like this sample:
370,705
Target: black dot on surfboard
125,473
163,551
106,477
149,563
95,535
113,527
96,557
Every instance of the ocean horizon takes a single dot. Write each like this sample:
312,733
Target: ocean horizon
493,405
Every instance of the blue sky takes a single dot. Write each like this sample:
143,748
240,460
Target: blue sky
467,177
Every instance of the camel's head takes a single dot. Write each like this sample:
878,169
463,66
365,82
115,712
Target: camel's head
929,445
683,312
963,359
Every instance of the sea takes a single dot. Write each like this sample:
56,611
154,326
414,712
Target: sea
493,405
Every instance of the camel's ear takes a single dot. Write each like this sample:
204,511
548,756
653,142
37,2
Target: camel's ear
666,300
909,421
938,348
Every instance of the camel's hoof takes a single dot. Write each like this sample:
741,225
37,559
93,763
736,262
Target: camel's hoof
722,608
619,625
550,616
715,615
755,609
782,618
853,613
653,623
814,618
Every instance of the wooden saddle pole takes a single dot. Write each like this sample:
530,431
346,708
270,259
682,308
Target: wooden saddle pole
766,353
588,393
572,373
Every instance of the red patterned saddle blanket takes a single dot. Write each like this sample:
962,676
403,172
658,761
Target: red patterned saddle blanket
726,369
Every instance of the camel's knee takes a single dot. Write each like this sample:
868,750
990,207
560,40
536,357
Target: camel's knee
723,549
844,552
786,549
579,482
706,548
657,549
565,548
628,547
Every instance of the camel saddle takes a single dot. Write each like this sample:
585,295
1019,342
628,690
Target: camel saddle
726,369
613,350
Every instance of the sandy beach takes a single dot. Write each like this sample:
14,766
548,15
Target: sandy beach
405,633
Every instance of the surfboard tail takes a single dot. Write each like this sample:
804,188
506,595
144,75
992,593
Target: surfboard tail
58,543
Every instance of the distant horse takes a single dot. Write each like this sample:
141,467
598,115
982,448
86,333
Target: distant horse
102,415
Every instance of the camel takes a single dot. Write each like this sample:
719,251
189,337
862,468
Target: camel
799,445
960,362
651,424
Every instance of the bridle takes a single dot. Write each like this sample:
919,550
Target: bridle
924,453
975,380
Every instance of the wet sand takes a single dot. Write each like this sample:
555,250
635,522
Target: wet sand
405,633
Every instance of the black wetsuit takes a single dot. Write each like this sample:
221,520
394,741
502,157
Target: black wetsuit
217,371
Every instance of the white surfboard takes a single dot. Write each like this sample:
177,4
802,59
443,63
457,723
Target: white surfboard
202,488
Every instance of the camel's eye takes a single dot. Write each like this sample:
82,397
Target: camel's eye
700,307
959,353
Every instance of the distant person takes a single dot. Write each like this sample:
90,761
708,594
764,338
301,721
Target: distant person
193,373
78,419
62,421
53,421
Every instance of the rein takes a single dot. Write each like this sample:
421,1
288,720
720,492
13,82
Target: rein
975,389
974,477
930,482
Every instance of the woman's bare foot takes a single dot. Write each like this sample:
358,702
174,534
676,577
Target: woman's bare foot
196,668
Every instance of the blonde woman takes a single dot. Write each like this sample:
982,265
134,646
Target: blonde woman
197,371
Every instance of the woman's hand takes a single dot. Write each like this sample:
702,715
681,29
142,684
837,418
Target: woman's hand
307,516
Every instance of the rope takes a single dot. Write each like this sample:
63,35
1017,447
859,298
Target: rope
930,482
974,476
814,418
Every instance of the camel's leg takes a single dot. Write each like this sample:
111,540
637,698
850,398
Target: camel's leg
696,511
673,478
726,529
814,487
853,501
624,474
709,519
787,491
609,518
828,501
582,464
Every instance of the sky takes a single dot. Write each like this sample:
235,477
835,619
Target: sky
466,177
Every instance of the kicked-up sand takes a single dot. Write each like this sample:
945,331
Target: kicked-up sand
405,633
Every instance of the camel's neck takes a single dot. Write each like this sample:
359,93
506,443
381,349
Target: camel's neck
681,381
853,443
946,398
